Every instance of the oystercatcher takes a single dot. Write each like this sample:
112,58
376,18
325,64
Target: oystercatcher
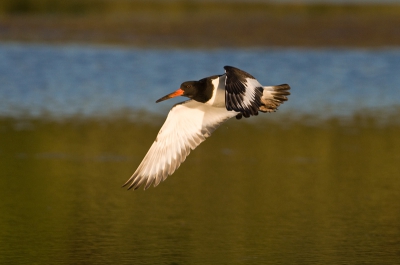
213,100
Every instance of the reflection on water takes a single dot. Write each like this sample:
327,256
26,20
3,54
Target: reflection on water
253,193
58,81
274,189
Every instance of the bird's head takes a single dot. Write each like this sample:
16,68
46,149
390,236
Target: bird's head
187,89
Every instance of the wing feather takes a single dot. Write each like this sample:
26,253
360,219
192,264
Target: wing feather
188,124
242,92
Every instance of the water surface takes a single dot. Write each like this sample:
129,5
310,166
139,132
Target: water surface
64,81
282,188
251,194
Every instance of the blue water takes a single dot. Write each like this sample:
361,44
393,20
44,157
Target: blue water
62,81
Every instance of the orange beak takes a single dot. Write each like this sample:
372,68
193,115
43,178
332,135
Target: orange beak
177,93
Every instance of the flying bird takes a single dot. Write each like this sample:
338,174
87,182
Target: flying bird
212,100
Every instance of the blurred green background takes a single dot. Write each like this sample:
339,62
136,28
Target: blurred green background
285,188
267,193
201,23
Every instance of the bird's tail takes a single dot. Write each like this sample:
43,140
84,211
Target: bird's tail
273,96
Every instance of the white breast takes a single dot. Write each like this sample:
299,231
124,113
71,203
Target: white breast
218,96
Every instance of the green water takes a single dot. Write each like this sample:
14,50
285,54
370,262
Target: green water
253,193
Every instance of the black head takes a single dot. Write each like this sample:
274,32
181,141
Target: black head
200,91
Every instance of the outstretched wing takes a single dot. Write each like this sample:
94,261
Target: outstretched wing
242,92
188,124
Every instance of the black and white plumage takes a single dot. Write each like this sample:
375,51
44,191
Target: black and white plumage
213,100
242,92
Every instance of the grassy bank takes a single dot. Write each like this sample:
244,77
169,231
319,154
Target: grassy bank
198,24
